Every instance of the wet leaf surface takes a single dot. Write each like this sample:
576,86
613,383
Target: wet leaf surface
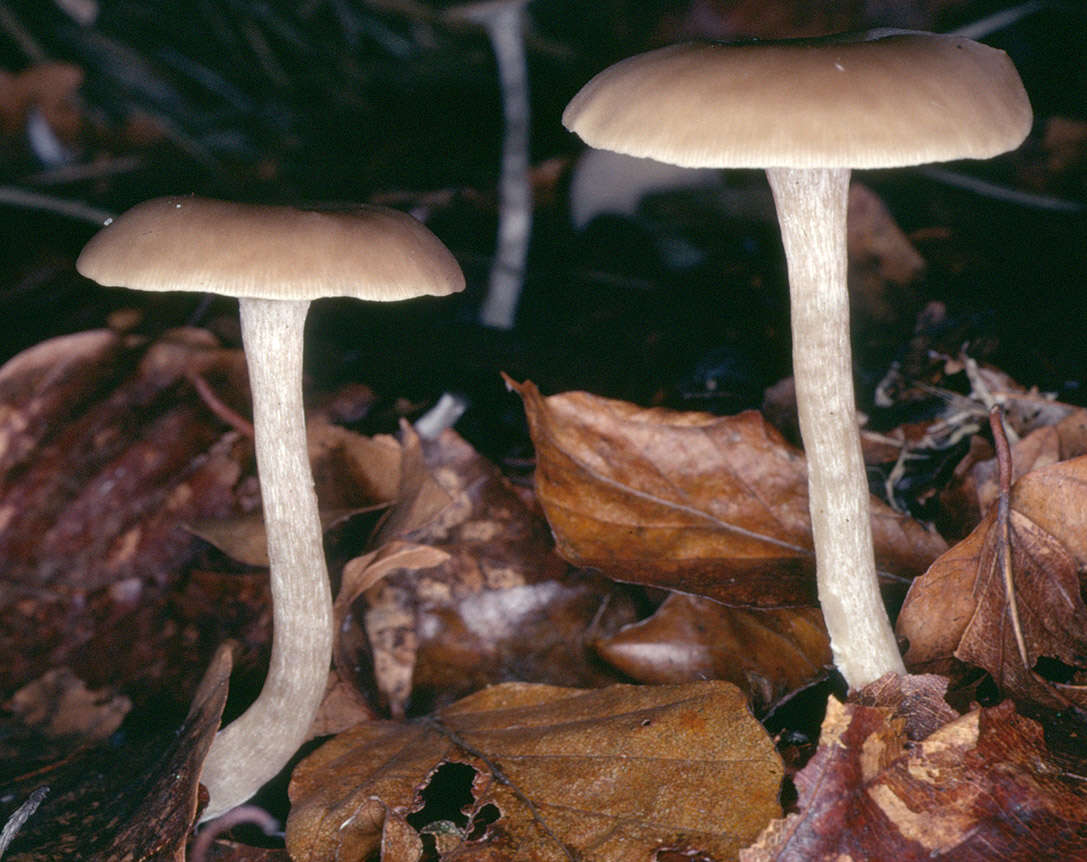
767,654
109,452
546,773
714,506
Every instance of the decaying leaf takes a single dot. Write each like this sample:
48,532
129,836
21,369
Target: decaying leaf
547,773
137,801
961,607
60,704
107,450
464,589
353,474
714,506
767,653
981,787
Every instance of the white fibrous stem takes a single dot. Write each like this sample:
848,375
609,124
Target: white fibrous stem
504,22
811,205
256,746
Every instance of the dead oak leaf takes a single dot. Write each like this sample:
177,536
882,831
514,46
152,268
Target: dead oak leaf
553,773
714,506
981,787
960,608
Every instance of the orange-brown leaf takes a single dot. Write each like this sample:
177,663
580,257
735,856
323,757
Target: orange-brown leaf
553,773
715,506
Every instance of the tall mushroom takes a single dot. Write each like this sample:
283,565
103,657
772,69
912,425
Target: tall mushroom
504,22
275,260
808,111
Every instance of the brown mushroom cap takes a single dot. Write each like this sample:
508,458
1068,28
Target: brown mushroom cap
882,99
270,252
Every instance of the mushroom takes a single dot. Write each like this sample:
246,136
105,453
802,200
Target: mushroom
503,21
808,111
275,260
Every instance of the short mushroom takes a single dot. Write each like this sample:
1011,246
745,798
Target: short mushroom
275,260
808,111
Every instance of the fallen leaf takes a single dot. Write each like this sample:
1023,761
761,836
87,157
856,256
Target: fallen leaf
44,385
960,608
108,451
714,506
980,787
767,653
464,589
918,699
60,704
549,773
1043,446
136,801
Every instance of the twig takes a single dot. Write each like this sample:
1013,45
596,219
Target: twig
16,197
20,816
10,22
987,189
1003,518
216,405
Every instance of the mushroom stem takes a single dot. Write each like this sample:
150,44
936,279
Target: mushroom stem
504,23
257,745
812,205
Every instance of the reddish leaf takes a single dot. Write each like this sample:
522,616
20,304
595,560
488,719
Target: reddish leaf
548,773
768,654
708,505
979,788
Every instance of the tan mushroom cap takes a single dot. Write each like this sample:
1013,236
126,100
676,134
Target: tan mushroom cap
881,99
270,252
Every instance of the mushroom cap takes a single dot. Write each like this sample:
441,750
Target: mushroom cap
879,99
270,252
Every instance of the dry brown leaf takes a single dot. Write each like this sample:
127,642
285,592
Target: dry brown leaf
1043,446
960,608
981,787
714,506
768,654
553,773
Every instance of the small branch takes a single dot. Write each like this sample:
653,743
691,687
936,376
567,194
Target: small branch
16,197
1003,519
217,406
19,817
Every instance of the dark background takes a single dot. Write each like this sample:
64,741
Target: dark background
340,100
